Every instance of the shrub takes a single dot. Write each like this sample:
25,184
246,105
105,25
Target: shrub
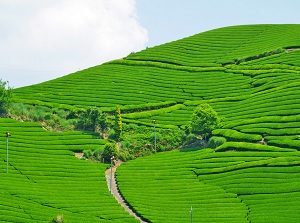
190,138
110,150
216,141
118,123
204,120
125,155
87,153
5,96
97,154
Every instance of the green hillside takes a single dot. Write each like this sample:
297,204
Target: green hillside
249,74
229,187
256,97
45,179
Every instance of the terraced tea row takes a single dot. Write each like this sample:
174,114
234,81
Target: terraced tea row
223,45
221,187
152,86
45,179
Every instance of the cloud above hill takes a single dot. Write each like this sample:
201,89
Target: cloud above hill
41,40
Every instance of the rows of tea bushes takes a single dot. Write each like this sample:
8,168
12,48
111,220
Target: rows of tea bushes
223,45
291,58
189,72
248,74
249,186
133,85
267,182
45,179
163,187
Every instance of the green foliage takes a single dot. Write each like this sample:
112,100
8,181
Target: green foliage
87,153
51,118
92,119
95,155
204,120
118,123
191,138
216,141
5,96
110,150
138,141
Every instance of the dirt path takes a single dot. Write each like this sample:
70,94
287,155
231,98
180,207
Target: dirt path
115,191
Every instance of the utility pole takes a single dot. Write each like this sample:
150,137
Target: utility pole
7,135
154,122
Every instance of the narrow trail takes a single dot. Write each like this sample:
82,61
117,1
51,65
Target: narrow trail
115,191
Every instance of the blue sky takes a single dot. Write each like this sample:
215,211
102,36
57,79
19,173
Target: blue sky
46,39
168,20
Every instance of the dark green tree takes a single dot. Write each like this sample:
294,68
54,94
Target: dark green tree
5,96
204,120
118,122
110,150
92,119
103,124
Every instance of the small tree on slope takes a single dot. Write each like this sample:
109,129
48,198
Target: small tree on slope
5,96
204,120
118,123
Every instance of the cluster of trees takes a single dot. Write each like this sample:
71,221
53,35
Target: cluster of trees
5,96
138,141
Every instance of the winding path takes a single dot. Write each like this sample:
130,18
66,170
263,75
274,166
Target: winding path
115,191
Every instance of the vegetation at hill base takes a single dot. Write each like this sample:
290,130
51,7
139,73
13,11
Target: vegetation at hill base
5,96
238,87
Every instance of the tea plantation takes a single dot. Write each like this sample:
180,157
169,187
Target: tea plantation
249,74
45,179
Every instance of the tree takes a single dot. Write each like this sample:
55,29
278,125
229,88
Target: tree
204,120
118,122
110,150
5,96
103,122
92,119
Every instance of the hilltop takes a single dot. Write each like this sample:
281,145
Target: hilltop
249,74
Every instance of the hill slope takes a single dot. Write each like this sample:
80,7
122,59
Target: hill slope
249,75
45,179
253,97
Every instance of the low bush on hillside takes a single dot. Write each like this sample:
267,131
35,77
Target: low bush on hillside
51,118
138,141
216,141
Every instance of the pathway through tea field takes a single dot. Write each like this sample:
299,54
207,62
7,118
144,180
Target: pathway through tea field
115,191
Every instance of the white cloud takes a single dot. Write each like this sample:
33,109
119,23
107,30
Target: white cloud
62,36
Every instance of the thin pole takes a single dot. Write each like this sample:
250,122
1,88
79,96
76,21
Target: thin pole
6,153
111,160
154,138
154,122
191,214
